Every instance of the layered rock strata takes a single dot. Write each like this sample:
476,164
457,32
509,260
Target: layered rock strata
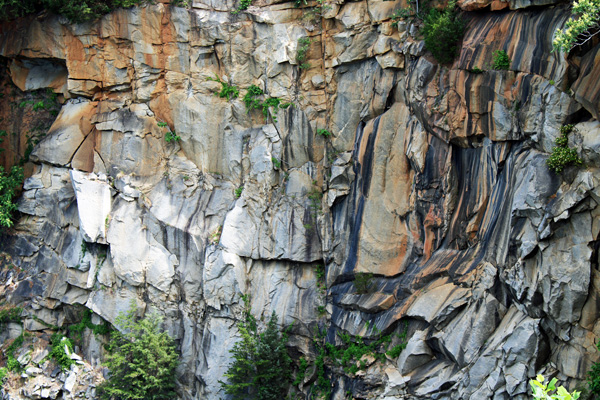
434,180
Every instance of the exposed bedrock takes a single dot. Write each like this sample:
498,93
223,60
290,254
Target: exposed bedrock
433,179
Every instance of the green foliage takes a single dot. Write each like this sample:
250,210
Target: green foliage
59,353
323,132
171,136
273,103
3,374
261,367
86,322
395,351
142,360
594,377
542,391
303,46
301,371
11,314
9,184
363,282
75,11
252,101
238,191
251,98
580,29
244,4
562,155
476,70
276,162
349,354
11,362
501,60
227,90
443,30
298,3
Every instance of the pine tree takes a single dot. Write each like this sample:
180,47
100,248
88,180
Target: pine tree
261,367
142,361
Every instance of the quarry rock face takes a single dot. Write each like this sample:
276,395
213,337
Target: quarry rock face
428,181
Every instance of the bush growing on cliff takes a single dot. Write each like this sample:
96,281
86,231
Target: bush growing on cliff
443,30
142,361
261,367
580,29
501,61
562,155
75,11
9,184
543,391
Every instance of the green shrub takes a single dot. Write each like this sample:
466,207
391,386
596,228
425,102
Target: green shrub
86,322
227,90
363,282
261,367
58,352
238,192
501,60
443,30
594,377
562,155
10,314
276,162
251,98
9,184
541,391
3,374
581,29
171,136
11,362
244,4
303,46
323,132
142,360
75,11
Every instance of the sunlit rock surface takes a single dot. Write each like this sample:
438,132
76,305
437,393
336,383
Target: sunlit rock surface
434,180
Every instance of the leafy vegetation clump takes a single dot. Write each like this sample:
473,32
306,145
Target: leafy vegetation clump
86,322
10,314
10,182
303,46
580,29
11,362
251,98
244,4
61,347
562,155
594,377
443,30
542,391
238,192
261,367
350,354
75,11
227,90
142,360
323,132
501,61
363,282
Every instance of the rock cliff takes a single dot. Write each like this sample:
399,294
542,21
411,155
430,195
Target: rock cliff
430,177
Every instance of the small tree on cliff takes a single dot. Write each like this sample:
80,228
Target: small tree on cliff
261,367
142,361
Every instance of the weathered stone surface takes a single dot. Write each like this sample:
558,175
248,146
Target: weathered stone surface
432,178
